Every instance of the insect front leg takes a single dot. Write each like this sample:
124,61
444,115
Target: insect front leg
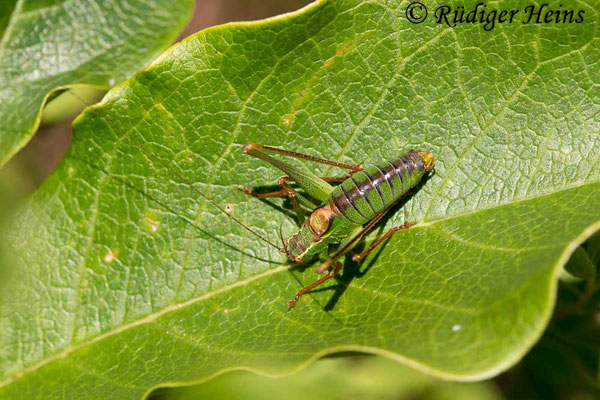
389,233
336,269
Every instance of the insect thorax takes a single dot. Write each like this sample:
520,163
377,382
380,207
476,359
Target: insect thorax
324,227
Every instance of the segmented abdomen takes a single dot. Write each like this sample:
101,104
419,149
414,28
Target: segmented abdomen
370,191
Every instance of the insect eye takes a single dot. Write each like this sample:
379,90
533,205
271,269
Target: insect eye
320,220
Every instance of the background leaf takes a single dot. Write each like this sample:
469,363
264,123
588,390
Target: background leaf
127,280
47,46
366,379
563,365
580,266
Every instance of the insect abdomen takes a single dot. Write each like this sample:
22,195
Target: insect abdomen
367,193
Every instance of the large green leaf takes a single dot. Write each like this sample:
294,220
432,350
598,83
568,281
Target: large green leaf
128,280
50,45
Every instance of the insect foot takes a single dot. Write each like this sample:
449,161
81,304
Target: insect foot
245,189
248,148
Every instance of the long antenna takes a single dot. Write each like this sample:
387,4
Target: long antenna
218,207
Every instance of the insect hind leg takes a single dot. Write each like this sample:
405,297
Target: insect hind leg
252,147
361,255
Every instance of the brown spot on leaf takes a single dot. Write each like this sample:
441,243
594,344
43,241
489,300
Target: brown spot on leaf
110,256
